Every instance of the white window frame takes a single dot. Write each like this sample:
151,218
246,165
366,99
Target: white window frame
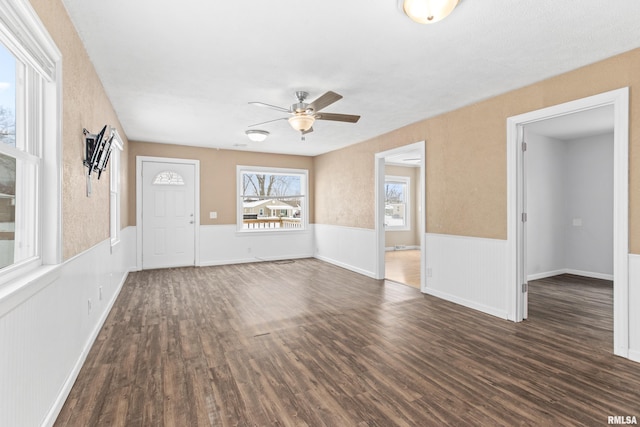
115,189
24,35
407,217
304,190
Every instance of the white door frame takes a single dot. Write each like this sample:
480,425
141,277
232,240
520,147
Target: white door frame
379,207
139,224
619,98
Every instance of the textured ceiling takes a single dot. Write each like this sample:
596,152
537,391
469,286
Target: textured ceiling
184,72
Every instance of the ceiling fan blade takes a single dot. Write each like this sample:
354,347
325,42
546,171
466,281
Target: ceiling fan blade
304,132
350,118
268,121
324,101
274,107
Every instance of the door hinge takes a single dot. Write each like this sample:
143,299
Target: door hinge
524,146
525,288
524,217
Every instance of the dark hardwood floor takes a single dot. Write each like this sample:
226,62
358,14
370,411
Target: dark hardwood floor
304,343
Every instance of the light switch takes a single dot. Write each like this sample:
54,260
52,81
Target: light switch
577,222
213,215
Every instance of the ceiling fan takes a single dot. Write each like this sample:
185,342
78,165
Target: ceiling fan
303,115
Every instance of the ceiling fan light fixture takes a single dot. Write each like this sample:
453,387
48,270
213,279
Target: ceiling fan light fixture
428,11
257,135
301,122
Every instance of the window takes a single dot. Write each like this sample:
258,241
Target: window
168,178
396,199
272,199
114,186
29,143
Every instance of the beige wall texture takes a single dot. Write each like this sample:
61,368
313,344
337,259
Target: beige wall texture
410,237
466,177
218,191
85,220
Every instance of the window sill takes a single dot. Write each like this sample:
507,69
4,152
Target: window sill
15,292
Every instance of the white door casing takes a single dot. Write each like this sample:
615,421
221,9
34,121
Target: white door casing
168,217
619,98
380,205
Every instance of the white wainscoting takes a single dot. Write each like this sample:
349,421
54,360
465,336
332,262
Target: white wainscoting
634,303
223,244
347,247
47,329
469,271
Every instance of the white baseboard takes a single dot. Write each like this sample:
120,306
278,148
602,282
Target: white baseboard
73,375
545,274
466,303
346,266
401,248
634,355
582,273
254,259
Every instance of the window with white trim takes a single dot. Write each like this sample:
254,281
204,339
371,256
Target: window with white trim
114,186
397,203
272,199
29,143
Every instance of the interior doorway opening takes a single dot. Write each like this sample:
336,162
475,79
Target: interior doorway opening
400,219
568,200
518,215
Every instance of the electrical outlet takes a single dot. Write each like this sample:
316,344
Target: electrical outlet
100,293
213,215
249,250
429,272
89,306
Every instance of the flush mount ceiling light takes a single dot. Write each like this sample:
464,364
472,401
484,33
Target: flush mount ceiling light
428,11
257,135
301,122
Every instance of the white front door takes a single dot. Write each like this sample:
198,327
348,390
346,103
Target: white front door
168,214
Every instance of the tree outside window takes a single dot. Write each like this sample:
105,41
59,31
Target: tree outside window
396,212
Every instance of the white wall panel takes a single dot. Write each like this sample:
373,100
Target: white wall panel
634,303
47,329
348,247
223,244
469,271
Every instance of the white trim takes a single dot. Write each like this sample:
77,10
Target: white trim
401,248
35,47
582,273
27,38
619,98
52,415
115,191
379,207
196,229
304,190
466,303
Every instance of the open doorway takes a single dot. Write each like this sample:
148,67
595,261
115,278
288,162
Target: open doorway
400,214
518,214
568,195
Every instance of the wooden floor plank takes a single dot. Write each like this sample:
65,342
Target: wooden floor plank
305,343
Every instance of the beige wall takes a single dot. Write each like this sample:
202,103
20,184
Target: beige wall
410,237
85,220
218,192
466,182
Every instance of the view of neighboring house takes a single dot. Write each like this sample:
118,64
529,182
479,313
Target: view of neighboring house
271,213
